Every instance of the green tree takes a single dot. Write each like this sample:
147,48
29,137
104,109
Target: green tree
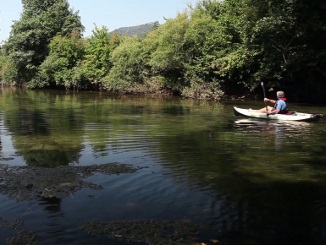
225,44
128,69
206,41
59,67
279,42
97,63
290,37
7,68
27,46
167,50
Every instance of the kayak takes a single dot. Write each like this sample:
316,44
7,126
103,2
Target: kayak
293,116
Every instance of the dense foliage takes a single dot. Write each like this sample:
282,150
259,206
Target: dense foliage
28,43
213,49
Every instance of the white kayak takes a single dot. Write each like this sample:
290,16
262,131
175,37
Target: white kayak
294,116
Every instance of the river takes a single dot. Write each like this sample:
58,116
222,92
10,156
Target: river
250,182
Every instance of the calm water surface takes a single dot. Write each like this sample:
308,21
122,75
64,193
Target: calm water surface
252,182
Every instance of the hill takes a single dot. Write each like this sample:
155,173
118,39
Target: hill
139,30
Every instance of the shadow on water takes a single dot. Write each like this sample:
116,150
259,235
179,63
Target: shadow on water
268,190
289,184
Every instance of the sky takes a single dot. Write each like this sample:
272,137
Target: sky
110,13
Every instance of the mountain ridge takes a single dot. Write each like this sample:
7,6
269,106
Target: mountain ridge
137,30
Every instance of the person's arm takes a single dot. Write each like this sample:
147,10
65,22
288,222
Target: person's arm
270,100
273,110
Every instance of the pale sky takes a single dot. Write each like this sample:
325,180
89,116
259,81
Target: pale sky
110,13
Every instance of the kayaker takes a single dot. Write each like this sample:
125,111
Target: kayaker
279,107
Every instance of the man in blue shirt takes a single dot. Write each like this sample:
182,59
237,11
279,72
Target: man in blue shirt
279,107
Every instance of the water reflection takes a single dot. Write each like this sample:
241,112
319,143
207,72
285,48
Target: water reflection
43,137
252,181
263,125
51,205
277,130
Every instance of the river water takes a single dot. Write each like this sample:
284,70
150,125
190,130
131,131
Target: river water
252,182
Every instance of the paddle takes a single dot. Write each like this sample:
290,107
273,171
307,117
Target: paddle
262,85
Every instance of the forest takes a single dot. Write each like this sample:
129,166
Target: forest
210,51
